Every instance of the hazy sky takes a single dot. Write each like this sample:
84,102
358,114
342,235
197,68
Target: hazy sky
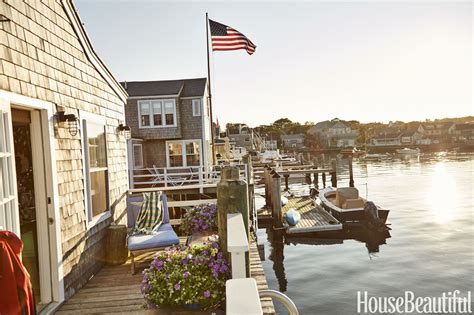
315,60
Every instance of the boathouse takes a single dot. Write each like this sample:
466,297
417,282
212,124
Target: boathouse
62,154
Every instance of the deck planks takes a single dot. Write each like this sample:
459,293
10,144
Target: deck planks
313,217
114,290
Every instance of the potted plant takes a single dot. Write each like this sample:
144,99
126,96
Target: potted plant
186,276
200,219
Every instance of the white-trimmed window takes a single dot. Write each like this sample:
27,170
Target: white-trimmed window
96,175
157,113
183,153
196,107
137,155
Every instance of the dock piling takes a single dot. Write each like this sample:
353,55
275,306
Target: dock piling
351,173
333,173
324,179
286,176
276,200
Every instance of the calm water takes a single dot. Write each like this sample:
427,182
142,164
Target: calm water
430,250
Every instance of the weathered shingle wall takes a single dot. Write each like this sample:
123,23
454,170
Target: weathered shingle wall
41,57
191,126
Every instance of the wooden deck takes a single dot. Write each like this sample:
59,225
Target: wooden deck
313,217
114,290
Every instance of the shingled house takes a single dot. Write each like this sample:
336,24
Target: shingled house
170,124
62,157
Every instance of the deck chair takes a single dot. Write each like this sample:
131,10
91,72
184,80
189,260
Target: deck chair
163,237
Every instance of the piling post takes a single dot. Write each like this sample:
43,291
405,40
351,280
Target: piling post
266,180
333,173
316,174
351,173
276,199
324,179
286,176
250,185
232,197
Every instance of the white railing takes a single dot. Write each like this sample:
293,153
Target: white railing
178,176
237,244
242,296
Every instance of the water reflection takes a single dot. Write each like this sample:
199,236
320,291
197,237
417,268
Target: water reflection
442,195
277,240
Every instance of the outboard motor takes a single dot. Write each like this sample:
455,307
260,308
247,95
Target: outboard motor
372,215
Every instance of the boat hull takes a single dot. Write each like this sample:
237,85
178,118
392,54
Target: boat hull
348,215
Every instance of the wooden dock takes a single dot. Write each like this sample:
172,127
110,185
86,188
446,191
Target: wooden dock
115,290
313,217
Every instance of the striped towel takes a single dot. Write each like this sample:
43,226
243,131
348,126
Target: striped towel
150,216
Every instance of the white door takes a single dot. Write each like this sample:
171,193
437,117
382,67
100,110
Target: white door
9,215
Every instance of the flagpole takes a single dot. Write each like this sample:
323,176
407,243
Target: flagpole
209,91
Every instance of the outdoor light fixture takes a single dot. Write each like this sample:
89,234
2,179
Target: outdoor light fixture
71,119
125,130
3,18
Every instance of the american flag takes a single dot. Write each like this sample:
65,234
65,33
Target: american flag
224,37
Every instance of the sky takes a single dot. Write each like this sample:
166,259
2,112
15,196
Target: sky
315,60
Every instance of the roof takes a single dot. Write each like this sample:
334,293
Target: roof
183,87
438,125
89,50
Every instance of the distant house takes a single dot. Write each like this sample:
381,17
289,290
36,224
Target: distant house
463,133
170,123
293,141
270,144
335,133
240,135
411,136
388,136
63,165
437,132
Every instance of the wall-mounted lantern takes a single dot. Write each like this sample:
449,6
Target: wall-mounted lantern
71,120
125,131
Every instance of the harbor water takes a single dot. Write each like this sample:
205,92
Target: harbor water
430,249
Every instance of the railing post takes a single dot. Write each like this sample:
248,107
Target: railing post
232,197
333,174
276,200
165,175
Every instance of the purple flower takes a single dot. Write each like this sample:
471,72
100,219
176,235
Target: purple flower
219,255
215,245
159,264
207,294
224,269
177,286
186,275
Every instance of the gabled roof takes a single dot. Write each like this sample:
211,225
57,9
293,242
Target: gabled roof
182,88
89,50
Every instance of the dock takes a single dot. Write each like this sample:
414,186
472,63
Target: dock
115,290
313,217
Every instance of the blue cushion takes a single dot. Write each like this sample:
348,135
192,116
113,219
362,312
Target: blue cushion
165,236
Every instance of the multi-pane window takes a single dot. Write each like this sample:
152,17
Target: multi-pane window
175,154
196,107
157,113
137,155
95,164
184,153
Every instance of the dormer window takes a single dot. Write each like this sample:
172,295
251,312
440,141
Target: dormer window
157,113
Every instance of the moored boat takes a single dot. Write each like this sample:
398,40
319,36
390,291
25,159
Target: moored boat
347,206
408,151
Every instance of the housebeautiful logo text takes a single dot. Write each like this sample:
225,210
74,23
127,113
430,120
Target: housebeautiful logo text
448,303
